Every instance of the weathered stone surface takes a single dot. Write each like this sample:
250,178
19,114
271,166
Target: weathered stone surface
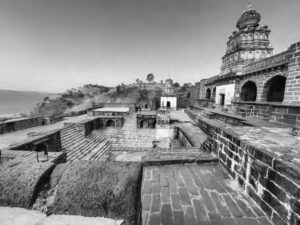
20,182
218,202
90,188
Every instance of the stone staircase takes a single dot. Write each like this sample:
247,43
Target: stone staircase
129,137
78,147
130,140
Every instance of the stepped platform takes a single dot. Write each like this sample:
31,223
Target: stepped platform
78,147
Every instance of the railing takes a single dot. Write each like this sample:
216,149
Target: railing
270,62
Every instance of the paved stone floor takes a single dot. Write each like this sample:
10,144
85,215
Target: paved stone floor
196,194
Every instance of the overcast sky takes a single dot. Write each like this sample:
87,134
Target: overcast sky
52,45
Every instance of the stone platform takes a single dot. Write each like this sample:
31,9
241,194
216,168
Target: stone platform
196,194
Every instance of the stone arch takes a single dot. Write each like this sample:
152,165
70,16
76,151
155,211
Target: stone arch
274,88
110,123
214,93
208,93
249,91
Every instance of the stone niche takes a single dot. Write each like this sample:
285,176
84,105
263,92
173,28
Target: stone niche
146,119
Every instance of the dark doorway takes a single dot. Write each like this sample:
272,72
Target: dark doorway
152,124
10,127
168,104
41,152
144,124
222,99
208,94
275,88
110,123
249,91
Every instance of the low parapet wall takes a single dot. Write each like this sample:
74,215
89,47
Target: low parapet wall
20,124
281,113
51,140
274,183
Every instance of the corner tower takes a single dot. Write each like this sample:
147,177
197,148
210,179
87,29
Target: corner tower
247,44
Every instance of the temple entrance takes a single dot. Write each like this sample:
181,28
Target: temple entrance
110,123
222,99
168,104
144,124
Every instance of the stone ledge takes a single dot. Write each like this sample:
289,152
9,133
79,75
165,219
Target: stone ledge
283,105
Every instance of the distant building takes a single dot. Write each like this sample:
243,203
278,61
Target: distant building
168,99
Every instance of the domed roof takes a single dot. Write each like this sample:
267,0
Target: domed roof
249,18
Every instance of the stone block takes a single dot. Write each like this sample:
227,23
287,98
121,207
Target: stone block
184,196
154,219
285,183
295,205
275,204
178,218
166,215
290,170
277,219
208,202
189,216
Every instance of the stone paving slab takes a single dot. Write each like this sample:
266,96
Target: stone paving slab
196,194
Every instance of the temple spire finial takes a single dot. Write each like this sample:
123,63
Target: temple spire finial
250,6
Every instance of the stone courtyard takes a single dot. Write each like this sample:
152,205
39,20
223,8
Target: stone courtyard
196,194
222,151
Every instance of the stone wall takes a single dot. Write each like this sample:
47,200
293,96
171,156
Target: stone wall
20,124
280,113
183,140
52,141
273,183
204,102
292,92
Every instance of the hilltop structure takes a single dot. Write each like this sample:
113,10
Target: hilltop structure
168,100
248,44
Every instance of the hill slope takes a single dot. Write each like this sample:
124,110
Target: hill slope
91,96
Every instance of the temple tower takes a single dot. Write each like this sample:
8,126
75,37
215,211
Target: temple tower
247,44
168,99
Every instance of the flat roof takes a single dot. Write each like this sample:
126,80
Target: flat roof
112,109
147,113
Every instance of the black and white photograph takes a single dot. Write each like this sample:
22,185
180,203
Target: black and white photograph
149,112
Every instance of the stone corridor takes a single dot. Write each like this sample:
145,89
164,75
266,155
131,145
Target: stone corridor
196,194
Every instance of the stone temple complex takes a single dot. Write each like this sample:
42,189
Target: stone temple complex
231,157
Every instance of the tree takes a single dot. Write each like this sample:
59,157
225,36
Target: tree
137,80
176,84
150,77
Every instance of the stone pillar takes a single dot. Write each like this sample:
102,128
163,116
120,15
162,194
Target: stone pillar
292,88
